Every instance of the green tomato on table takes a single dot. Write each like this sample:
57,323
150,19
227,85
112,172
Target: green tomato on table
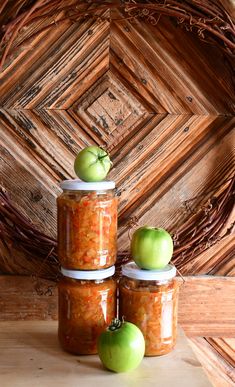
121,346
151,248
92,164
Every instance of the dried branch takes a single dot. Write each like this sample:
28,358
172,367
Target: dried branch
3,6
37,253
208,19
205,228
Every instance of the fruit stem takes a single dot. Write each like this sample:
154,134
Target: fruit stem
115,324
102,157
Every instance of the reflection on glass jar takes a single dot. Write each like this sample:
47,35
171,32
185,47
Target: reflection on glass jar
149,299
87,225
86,308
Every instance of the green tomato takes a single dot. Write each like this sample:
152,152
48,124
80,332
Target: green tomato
121,347
151,248
92,164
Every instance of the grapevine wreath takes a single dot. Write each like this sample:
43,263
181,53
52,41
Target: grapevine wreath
26,250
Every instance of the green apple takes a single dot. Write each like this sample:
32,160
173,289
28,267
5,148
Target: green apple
92,164
151,248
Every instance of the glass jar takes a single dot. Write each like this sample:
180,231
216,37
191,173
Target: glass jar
149,299
87,305
87,225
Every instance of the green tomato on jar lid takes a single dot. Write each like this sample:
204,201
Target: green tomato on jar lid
92,164
121,346
151,248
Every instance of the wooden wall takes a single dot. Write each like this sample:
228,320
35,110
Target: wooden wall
162,103
160,100
206,303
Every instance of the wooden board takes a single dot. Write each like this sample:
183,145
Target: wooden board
160,100
30,354
206,304
217,357
169,128
23,298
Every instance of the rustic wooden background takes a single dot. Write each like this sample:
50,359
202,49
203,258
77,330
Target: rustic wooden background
162,103
160,100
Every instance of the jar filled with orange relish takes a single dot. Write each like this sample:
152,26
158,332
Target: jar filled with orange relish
87,225
149,299
87,305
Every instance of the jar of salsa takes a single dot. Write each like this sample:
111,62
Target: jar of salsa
87,225
149,299
87,305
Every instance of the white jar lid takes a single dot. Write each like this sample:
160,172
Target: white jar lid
133,271
79,185
89,274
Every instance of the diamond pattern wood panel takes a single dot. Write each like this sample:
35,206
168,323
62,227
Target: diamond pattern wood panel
159,100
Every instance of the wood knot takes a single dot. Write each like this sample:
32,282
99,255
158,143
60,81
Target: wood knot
36,196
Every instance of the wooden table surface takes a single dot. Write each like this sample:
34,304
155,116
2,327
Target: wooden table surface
30,356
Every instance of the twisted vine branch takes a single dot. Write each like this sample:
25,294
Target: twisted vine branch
37,253
205,228
207,18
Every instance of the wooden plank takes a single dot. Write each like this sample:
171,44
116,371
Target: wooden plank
56,68
218,259
225,347
206,304
31,186
110,111
23,298
220,372
189,185
171,75
169,133
168,146
30,354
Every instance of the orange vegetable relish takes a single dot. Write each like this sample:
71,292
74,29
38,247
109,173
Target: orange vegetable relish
86,308
87,229
152,306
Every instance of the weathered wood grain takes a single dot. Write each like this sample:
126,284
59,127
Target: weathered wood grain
30,351
109,112
170,133
206,304
214,361
152,61
70,56
36,300
218,260
225,347
196,177
168,146
34,189
159,100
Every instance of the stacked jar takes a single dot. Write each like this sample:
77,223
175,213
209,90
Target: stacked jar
149,299
87,249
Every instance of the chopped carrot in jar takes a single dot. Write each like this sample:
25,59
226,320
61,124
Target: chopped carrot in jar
152,306
87,230
86,308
